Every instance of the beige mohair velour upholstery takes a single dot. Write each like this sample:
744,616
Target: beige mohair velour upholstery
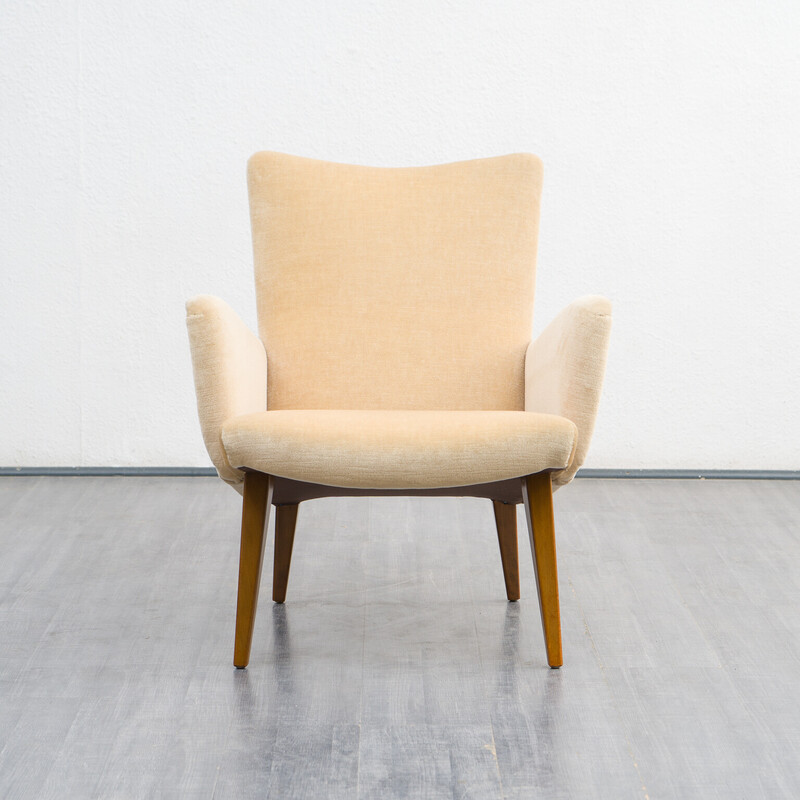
230,374
395,308
395,288
399,449
564,369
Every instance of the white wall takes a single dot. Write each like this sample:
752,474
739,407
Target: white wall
669,133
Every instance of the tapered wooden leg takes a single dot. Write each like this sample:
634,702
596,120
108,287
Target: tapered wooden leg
285,522
255,513
505,517
537,493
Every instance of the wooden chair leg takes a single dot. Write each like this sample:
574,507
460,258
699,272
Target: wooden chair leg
255,513
537,493
505,517
285,522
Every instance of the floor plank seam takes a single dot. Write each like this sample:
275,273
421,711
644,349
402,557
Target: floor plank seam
485,684
601,667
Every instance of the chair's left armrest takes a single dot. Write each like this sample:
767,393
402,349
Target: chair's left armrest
230,374
564,370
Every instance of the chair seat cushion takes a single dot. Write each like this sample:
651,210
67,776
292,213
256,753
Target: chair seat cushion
399,449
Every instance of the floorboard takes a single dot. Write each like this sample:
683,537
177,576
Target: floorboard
396,668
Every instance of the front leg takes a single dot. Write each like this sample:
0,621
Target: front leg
255,514
537,493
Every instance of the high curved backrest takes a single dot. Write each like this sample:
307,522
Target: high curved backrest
408,288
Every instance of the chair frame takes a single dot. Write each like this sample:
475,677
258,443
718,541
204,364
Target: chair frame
432,244
262,490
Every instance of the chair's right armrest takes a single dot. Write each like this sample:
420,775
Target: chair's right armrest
564,371
230,374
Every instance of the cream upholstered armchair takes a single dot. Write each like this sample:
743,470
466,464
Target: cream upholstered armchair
394,357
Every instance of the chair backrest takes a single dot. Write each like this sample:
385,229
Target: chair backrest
384,288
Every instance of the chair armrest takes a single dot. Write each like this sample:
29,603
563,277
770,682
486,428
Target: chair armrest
564,371
230,374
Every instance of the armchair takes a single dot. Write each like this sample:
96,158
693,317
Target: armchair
394,357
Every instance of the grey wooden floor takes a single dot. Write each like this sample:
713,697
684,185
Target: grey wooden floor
396,668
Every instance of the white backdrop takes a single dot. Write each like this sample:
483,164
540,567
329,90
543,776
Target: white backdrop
669,133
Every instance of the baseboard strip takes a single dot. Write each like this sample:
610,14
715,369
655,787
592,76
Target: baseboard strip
688,474
136,472
192,472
